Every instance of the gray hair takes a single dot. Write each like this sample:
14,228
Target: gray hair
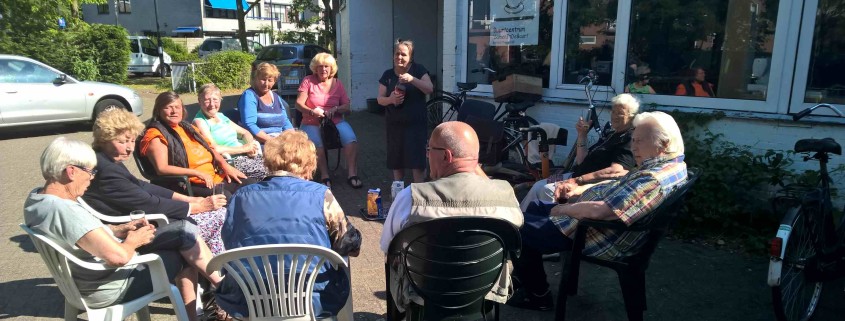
407,43
208,89
629,101
63,152
666,133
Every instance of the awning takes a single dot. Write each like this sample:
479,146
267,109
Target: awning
186,29
227,4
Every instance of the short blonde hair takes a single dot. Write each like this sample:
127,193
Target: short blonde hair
265,69
324,58
629,101
112,123
292,152
63,152
207,89
666,133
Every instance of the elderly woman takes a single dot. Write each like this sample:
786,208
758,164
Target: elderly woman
658,148
288,208
116,192
322,96
402,90
226,137
175,147
68,166
608,158
263,112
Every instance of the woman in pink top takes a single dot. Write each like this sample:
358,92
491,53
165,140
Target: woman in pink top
321,96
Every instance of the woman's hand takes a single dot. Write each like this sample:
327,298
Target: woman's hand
318,112
331,112
122,230
252,150
232,174
405,78
208,179
564,190
140,236
396,99
583,126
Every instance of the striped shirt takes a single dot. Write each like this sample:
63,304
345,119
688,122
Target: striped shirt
631,198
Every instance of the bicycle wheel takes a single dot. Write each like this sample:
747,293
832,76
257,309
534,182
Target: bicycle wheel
795,297
439,109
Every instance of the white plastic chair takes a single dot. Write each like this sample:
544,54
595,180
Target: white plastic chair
159,219
283,296
58,260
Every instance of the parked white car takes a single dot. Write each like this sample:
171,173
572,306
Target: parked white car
32,92
144,57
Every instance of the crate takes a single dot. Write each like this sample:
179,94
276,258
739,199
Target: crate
517,86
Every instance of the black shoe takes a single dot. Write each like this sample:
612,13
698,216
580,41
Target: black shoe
524,300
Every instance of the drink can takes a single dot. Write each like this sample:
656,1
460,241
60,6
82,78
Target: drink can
374,207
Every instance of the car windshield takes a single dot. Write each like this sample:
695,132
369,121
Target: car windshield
214,45
277,53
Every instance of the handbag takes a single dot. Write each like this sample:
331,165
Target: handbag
329,134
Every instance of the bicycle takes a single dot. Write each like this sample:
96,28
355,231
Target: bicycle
808,249
588,78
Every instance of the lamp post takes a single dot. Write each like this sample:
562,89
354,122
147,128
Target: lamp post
161,65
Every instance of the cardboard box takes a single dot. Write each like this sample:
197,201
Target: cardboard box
517,85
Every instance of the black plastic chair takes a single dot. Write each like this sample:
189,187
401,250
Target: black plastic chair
452,263
167,181
631,270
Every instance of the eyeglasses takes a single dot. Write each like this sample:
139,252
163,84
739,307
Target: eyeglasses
92,172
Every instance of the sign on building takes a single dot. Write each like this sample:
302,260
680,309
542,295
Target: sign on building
515,22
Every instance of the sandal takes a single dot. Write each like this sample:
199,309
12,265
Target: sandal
327,182
353,180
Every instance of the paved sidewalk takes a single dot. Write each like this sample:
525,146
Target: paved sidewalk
685,281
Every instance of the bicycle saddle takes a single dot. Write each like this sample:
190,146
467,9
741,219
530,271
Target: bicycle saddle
518,107
467,86
824,145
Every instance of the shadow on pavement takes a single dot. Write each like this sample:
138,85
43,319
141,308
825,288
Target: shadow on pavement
43,130
24,243
41,290
367,316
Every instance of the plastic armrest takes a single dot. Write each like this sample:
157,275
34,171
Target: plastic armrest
160,219
158,274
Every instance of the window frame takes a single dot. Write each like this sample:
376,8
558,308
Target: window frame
783,61
802,61
103,8
124,6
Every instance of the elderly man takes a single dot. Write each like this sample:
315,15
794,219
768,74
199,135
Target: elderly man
459,188
658,150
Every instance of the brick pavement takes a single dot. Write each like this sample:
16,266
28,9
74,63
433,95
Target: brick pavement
685,281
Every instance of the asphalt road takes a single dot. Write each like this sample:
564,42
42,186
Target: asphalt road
685,281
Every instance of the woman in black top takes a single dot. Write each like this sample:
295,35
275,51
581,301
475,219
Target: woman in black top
402,90
608,158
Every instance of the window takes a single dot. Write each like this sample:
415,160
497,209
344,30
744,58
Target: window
509,39
596,21
103,8
124,6
706,48
148,47
827,56
15,71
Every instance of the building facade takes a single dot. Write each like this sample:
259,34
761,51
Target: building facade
765,59
192,18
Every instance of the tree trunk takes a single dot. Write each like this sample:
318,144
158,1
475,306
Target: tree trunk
241,14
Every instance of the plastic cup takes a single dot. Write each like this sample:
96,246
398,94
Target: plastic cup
137,215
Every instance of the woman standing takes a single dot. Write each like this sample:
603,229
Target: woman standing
263,112
226,137
402,90
322,96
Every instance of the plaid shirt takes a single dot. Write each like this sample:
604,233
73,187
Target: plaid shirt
631,198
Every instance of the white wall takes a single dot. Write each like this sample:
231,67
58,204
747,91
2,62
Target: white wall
369,50
416,20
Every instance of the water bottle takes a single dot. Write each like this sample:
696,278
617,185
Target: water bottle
395,188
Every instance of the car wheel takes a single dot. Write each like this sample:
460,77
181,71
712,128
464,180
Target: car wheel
163,70
104,104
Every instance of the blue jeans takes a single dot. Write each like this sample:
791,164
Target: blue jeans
347,136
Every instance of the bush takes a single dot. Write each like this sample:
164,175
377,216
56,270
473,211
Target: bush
177,51
227,69
108,46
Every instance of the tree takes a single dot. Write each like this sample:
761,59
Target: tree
305,15
241,13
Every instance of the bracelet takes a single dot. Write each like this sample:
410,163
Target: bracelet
580,144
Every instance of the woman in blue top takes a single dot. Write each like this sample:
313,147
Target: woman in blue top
226,137
263,112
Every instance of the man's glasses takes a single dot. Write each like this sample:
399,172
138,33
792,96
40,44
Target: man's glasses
92,171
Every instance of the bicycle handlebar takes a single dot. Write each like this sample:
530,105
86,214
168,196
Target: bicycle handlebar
808,111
